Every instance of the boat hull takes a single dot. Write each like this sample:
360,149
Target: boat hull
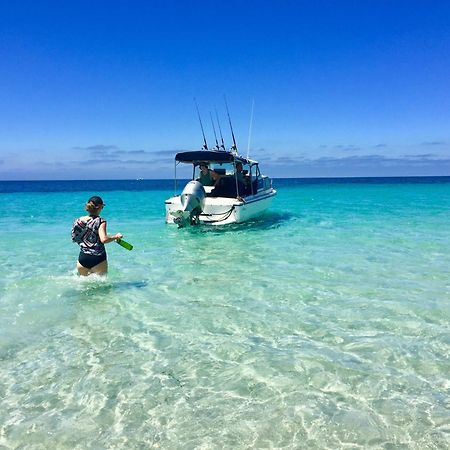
222,210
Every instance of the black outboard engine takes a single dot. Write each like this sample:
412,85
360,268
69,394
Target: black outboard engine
192,202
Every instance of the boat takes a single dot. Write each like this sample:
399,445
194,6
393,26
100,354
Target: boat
241,192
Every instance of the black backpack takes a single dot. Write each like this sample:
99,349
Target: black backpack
79,230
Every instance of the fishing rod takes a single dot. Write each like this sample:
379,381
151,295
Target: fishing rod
214,129
220,131
234,147
205,145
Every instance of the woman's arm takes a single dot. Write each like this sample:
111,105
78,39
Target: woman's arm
103,235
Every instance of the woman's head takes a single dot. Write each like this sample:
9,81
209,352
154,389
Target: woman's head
94,204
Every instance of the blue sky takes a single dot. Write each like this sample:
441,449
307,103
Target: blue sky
104,89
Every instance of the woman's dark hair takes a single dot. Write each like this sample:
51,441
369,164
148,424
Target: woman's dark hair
94,204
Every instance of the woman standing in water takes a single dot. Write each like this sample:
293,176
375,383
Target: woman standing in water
92,257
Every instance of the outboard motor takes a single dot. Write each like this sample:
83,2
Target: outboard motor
192,202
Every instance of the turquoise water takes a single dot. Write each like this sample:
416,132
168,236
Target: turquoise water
323,325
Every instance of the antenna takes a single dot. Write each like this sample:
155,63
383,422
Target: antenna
220,130
205,145
250,128
214,129
234,147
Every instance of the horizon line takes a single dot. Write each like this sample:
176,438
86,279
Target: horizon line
273,178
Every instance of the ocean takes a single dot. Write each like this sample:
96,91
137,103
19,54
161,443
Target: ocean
324,324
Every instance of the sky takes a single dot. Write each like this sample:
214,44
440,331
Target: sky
105,89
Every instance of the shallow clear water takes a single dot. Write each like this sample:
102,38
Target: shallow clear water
324,324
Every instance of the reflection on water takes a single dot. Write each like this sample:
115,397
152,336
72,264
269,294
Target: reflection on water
265,222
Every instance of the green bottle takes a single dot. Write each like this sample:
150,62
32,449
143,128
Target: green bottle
124,244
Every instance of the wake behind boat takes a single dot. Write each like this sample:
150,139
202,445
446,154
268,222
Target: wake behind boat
237,191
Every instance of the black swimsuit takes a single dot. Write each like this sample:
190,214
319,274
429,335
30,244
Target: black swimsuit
90,261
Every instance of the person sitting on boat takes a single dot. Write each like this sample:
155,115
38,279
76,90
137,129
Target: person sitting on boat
223,186
242,180
205,177
239,172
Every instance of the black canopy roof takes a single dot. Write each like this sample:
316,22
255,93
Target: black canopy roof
209,156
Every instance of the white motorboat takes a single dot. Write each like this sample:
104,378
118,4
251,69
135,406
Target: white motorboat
240,192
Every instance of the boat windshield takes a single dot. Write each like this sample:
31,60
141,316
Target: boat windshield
243,178
224,169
